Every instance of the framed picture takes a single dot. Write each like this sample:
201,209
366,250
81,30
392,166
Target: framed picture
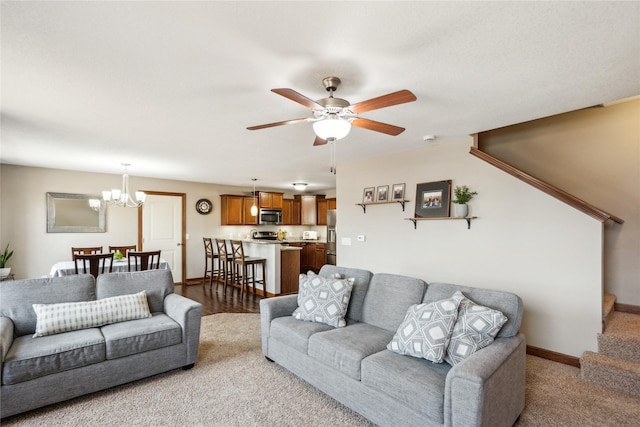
397,192
382,194
433,199
367,196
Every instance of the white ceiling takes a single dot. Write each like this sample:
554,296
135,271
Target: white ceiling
170,87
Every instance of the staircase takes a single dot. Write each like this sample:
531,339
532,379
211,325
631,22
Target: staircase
616,365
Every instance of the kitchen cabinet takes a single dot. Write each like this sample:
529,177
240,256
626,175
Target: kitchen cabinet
247,218
332,203
309,208
322,206
270,200
289,271
231,209
295,212
312,256
287,212
320,256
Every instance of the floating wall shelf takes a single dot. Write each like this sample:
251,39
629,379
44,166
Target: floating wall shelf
441,218
364,205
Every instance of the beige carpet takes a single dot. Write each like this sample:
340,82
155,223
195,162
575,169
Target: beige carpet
233,385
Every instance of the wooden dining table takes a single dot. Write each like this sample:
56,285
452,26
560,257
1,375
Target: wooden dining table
66,268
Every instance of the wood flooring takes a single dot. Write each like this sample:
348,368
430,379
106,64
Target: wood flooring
216,301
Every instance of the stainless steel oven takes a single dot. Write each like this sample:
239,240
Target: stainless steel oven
270,216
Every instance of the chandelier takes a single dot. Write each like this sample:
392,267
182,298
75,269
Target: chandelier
123,197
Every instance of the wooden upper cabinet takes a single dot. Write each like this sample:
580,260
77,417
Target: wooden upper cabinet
270,200
295,212
248,219
287,212
322,205
332,203
231,209
308,212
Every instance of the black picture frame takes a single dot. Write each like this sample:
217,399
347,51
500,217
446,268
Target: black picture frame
433,199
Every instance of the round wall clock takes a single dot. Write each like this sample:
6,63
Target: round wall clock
204,206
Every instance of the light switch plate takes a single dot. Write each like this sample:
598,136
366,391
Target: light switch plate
346,241
361,238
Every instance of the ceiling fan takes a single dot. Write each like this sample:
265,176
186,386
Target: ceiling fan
333,117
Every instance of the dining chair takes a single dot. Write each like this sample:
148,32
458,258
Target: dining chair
243,264
85,251
93,264
141,261
225,265
211,264
122,249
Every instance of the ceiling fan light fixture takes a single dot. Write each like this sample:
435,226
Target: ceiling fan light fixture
299,186
332,127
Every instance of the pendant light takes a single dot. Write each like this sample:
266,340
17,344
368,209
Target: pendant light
254,208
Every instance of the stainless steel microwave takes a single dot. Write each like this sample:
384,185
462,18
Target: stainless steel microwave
270,216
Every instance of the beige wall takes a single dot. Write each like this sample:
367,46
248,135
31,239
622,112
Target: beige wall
593,154
523,241
23,216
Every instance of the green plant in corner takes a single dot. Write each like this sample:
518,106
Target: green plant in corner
5,256
463,195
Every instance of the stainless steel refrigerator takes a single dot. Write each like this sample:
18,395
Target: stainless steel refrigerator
331,237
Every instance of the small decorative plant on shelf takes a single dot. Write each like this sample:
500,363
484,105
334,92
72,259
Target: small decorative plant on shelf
4,257
462,196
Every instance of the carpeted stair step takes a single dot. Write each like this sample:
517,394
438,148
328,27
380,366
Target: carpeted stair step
621,338
608,304
611,372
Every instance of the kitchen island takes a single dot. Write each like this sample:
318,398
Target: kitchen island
281,264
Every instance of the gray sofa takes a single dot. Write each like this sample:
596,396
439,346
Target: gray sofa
352,364
50,369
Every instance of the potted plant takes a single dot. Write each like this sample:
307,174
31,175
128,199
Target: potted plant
4,257
462,196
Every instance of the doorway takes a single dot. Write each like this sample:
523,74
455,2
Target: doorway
162,226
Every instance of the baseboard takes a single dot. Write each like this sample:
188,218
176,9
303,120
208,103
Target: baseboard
627,308
554,356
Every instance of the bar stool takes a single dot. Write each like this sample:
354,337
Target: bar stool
242,264
211,264
225,265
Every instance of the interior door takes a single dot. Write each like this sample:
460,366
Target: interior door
161,227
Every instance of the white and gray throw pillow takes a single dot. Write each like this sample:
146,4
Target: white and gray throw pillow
323,300
71,316
426,330
476,328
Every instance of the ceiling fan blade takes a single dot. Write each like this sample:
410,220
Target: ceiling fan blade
299,98
319,141
395,98
270,125
377,126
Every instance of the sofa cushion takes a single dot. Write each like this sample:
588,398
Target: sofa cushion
417,383
359,290
475,328
157,283
18,297
323,300
506,302
388,299
295,333
426,329
344,348
70,316
138,336
30,358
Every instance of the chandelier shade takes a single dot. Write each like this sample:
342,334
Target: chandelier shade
122,197
332,127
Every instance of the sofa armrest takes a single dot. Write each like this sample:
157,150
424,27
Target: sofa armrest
488,387
270,308
6,336
188,314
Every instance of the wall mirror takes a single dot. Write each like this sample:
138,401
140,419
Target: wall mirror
75,213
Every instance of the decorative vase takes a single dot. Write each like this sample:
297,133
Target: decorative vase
460,211
4,272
